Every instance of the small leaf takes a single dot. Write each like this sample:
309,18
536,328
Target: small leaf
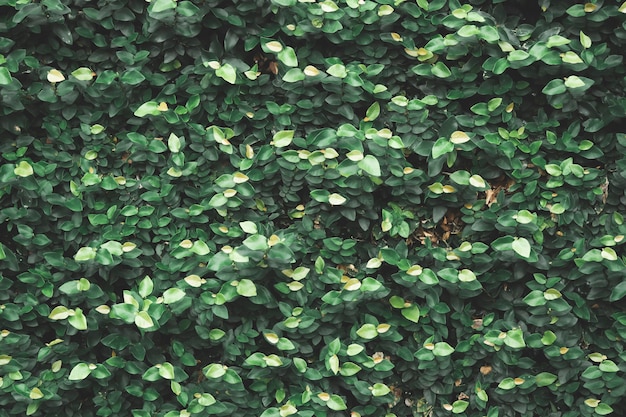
227,72
148,108
465,275
143,320
59,313
83,74
337,70
441,147
79,372
378,390
246,288
85,254
5,76
35,394
335,199
459,137
370,165
372,112
273,46
515,339
23,169
521,246
336,403
442,349
411,313
78,319
145,287
55,76
282,138
367,331
173,295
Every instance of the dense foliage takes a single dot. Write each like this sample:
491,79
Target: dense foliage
290,207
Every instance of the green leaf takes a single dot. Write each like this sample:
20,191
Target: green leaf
227,72
294,75
283,138
5,76
148,108
246,288
288,57
145,287
372,112
173,295
411,313
143,320
515,339
544,379
158,6
571,57
174,143
535,298
78,319
618,292
521,246
336,403
548,337
459,406
603,409
337,70
507,384
554,87
442,349
59,313
370,165
79,372
441,70
23,169
83,74
378,390
518,55
367,331
466,275
85,254
441,147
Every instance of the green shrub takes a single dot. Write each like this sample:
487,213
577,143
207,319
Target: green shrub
289,207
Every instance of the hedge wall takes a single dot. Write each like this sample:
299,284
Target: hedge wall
289,207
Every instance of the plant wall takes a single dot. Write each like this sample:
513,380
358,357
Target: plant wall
312,208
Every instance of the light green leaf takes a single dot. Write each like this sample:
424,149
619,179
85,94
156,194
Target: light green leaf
246,288
23,169
465,275
370,165
282,138
83,74
5,76
288,57
227,72
441,70
173,295
336,403
148,108
411,313
59,313
574,81
378,390
143,320
441,147
515,339
585,40
174,143
521,246
214,371
335,199
145,287
372,113
158,6
442,349
294,75
166,370
337,70
85,254
79,372
571,57
367,331
78,319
